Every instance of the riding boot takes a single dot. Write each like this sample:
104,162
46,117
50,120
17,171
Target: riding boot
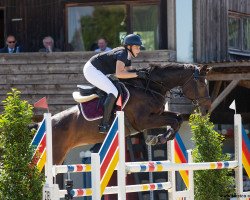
108,107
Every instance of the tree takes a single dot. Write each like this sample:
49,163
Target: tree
209,184
19,180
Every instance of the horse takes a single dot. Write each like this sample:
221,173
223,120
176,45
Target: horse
144,109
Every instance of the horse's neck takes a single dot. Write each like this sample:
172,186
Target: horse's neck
179,77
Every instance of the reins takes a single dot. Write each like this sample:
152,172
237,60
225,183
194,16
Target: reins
194,76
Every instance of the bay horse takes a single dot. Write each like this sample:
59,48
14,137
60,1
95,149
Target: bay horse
144,110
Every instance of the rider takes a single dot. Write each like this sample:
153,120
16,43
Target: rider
117,62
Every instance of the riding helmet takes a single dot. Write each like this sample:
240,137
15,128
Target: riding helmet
132,39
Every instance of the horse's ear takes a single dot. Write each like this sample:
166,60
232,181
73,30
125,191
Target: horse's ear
204,69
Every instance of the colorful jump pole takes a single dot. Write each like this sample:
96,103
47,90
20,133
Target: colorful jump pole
50,190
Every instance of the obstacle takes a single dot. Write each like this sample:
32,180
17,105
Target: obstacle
112,156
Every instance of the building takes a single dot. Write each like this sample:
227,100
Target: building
212,32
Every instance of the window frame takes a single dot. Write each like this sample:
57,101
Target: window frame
129,7
238,51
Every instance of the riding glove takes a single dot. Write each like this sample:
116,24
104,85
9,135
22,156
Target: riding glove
141,74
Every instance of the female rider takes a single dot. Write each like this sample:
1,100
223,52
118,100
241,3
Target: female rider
117,62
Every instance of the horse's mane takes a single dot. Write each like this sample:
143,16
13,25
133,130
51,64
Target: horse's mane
172,65
174,71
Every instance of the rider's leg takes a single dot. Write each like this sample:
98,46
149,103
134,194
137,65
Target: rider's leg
97,78
108,108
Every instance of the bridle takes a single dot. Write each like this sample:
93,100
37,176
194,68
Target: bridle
197,100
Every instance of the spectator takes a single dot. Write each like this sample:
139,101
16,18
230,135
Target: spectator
102,46
48,43
11,45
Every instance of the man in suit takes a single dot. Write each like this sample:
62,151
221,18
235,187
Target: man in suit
11,45
48,43
102,46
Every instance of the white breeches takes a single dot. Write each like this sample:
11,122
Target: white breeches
98,79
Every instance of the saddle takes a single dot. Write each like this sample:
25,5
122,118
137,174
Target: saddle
91,99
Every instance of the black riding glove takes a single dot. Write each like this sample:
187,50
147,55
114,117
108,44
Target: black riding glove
141,74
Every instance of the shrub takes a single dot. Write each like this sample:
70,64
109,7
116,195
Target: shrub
19,180
209,184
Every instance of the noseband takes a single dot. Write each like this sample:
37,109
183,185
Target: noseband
195,77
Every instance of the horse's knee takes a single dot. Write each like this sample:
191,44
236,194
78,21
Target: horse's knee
178,122
179,118
175,125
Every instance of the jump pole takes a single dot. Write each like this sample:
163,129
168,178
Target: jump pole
121,173
50,190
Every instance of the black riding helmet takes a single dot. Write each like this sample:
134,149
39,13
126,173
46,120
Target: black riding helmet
132,39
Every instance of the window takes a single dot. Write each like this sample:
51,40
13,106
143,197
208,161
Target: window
85,24
246,34
145,23
239,33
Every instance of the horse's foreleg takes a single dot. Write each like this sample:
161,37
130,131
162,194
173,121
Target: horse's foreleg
155,121
174,120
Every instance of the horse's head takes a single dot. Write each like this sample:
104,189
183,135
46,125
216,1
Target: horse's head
196,89
192,79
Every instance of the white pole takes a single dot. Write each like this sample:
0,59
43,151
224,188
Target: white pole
49,150
151,193
238,154
190,177
121,173
171,174
95,176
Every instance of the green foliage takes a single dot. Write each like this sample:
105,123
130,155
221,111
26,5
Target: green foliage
209,184
19,180
105,22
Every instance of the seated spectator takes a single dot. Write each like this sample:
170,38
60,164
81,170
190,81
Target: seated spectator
48,43
102,45
11,45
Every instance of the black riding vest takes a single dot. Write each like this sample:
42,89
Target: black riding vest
106,61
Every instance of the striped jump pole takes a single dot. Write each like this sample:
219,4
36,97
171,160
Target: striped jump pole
163,166
115,189
110,156
238,144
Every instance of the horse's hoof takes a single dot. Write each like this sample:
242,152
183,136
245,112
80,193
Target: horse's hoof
162,139
151,140
170,134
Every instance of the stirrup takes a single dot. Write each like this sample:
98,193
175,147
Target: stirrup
104,128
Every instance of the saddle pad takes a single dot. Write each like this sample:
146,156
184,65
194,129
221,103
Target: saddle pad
93,110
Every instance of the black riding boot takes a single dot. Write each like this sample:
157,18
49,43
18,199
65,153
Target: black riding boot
108,107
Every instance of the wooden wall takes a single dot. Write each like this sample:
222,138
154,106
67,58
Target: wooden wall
210,27
39,19
210,30
242,6
55,75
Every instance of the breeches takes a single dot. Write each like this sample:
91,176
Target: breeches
98,79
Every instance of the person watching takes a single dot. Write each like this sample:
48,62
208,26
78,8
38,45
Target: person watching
11,45
48,43
102,46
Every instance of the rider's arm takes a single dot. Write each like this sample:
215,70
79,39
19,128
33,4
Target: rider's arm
121,71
